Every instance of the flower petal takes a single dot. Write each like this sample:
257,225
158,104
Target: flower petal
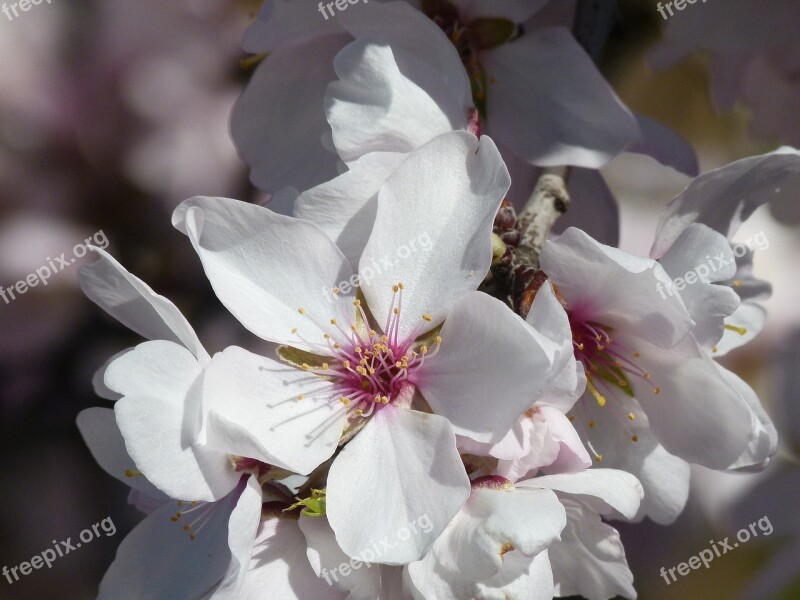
593,207
276,413
446,192
581,268
395,486
723,198
606,491
749,320
279,137
100,431
134,304
589,560
666,146
344,208
481,335
158,559
159,417
252,258
552,117
388,100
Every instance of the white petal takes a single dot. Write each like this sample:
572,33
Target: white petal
666,146
279,136
280,568
725,197
535,583
361,580
242,529
481,335
395,486
549,117
749,318
581,268
439,205
159,418
698,416
344,208
99,429
606,491
158,560
494,522
134,304
252,257
764,437
98,379
590,560
264,409
704,257
388,100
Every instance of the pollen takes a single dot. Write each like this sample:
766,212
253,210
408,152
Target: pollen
427,318
301,310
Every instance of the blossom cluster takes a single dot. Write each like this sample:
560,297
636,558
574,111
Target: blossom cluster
465,423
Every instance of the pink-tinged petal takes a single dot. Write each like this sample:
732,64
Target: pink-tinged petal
593,208
434,224
550,117
388,100
689,383
700,257
666,146
280,568
494,522
763,437
609,492
279,137
270,411
134,304
100,431
159,417
395,486
748,321
589,560
362,581
159,560
242,529
581,268
344,207
252,258
481,335
723,198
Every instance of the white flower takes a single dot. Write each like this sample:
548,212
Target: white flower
540,113
520,541
644,375
363,360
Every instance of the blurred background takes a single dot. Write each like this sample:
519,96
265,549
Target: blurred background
114,111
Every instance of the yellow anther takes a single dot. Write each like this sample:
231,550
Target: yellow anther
324,366
300,397
400,285
395,288
591,424
345,401
359,412
372,333
599,458
438,339
336,345
386,399
636,354
647,375
336,290
635,438
301,310
571,418
333,321
632,416
580,346
294,330
737,283
396,310
428,318
356,302
601,400
129,473
346,364
305,367
739,330
657,391
424,350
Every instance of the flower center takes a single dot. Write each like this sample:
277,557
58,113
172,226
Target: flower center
369,369
610,368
